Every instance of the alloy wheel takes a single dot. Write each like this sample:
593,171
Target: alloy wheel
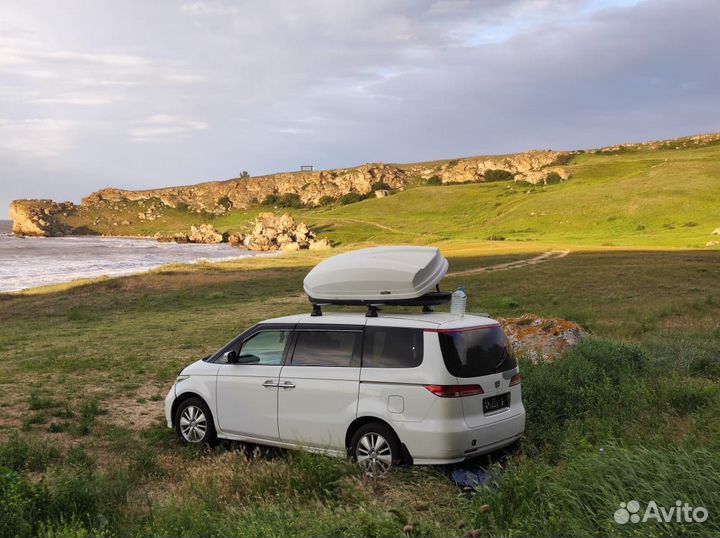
193,424
374,454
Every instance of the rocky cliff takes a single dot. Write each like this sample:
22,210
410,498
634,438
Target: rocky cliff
39,217
44,217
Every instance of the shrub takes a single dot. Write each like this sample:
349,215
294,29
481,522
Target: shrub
498,175
225,202
21,504
495,238
686,396
88,412
351,198
553,178
20,455
434,180
380,186
591,391
182,206
327,200
565,158
290,199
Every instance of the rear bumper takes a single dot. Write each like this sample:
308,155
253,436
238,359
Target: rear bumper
456,441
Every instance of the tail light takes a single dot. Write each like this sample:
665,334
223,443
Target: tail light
454,391
515,380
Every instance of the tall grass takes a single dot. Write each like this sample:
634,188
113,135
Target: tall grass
580,497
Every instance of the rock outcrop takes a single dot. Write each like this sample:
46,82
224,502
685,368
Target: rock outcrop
311,188
270,232
218,197
521,166
202,233
542,339
38,217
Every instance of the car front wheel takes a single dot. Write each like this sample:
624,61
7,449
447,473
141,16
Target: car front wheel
194,423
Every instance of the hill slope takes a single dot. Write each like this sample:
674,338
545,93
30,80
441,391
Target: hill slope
664,193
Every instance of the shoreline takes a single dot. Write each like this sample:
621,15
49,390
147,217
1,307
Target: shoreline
59,261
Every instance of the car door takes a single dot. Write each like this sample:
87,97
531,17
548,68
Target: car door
319,385
247,391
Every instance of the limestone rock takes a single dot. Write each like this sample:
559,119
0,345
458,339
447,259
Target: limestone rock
38,217
320,244
712,243
203,233
542,339
272,232
236,239
716,231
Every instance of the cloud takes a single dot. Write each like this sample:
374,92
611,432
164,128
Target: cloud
81,100
208,8
43,138
164,127
262,86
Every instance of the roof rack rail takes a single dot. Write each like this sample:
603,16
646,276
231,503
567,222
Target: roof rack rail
427,301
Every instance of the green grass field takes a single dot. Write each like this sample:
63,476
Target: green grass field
631,413
84,369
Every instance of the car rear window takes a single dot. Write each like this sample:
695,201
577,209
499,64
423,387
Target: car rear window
392,347
476,352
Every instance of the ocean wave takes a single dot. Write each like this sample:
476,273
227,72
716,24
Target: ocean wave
32,262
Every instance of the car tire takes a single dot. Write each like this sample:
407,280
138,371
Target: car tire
376,448
194,423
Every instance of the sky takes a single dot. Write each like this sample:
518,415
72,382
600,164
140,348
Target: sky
136,94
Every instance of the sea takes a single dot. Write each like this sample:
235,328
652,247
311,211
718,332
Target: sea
38,261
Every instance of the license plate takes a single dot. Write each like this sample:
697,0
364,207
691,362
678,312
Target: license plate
494,403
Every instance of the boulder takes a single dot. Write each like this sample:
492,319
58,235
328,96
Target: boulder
542,339
712,243
271,232
382,193
716,231
236,239
320,244
203,233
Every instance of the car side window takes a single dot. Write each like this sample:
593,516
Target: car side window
392,347
327,348
265,347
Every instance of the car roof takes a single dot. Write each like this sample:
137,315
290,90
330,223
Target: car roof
431,320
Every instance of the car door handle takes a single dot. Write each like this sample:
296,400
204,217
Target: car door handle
270,384
287,385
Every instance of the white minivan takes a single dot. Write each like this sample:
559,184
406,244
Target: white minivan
425,388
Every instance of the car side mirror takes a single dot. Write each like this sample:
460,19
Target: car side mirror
232,356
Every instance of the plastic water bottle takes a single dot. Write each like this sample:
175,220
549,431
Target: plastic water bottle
458,300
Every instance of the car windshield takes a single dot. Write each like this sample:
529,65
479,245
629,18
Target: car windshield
476,352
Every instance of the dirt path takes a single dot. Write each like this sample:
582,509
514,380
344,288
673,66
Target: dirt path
544,257
377,224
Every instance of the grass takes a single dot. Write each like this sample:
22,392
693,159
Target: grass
98,460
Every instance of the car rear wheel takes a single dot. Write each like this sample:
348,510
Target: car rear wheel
376,449
194,423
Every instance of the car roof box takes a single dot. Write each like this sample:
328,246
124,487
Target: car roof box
404,275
